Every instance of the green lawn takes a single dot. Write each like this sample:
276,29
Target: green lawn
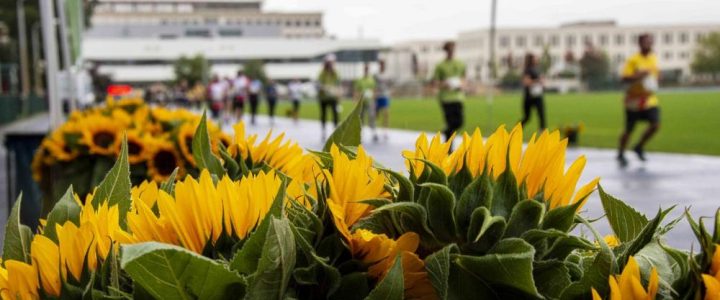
691,120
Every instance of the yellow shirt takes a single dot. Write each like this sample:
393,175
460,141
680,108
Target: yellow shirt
640,95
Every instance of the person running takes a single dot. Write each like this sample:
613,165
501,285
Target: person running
449,79
329,91
217,92
254,90
364,90
271,95
533,85
295,91
239,87
641,74
382,99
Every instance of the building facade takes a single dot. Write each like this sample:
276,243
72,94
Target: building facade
674,44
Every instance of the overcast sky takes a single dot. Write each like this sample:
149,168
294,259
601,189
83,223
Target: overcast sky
399,20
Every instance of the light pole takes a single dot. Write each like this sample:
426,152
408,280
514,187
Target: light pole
47,18
67,61
491,63
22,44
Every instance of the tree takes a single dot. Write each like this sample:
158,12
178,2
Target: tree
545,60
594,68
192,69
707,55
255,69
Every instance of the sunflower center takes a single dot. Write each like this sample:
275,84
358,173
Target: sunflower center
103,139
134,148
164,162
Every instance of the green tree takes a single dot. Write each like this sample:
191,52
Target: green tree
193,69
545,60
594,68
255,69
707,55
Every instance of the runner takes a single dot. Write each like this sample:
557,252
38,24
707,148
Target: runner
533,85
382,100
295,91
239,86
364,90
641,74
271,94
329,91
254,97
449,78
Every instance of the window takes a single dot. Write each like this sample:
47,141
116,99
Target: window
230,32
587,39
619,58
684,55
668,38
504,42
619,39
164,8
184,8
123,8
554,40
520,41
539,40
684,38
143,7
603,40
668,55
570,40
197,33
699,36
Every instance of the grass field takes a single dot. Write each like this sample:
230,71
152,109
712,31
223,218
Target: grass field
690,120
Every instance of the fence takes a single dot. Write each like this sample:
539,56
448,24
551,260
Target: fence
12,107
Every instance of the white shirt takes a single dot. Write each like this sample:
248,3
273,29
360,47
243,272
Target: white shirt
239,85
295,89
217,91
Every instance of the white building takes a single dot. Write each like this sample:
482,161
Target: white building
674,45
137,41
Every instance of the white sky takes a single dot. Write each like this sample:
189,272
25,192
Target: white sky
399,20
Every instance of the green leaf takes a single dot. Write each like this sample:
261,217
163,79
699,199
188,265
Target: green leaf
276,263
625,221
438,269
525,215
477,194
465,284
643,237
407,191
66,209
505,195
171,272
348,133
201,150
432,173
507,265
247,259
169,185
412,217
17,236
440,205
392,286
484,230
352,286
232,166
561,218
551,278
563,246
672,265
115,187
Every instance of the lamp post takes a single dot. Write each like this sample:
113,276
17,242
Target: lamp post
491,63
47,18
22,45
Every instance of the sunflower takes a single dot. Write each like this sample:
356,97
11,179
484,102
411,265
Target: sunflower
77,245
46,257
162,160
101,135
38,163
185,135
138,145
18,280
143,223
540,168
380,252
628,285
351,181
712,278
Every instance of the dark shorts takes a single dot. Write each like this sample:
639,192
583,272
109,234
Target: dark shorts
239,101
382,102
296,105
651,115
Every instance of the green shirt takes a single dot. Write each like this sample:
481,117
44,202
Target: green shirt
329,85
365,87
451,72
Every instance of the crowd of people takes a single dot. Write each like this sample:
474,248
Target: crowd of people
227,97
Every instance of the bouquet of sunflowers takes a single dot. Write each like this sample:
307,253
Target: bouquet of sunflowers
264,219
83,149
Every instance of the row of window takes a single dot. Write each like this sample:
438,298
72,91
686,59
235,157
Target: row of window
571,40
618,58
296,23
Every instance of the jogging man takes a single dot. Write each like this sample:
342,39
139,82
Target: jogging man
449,78
641,74
382,98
